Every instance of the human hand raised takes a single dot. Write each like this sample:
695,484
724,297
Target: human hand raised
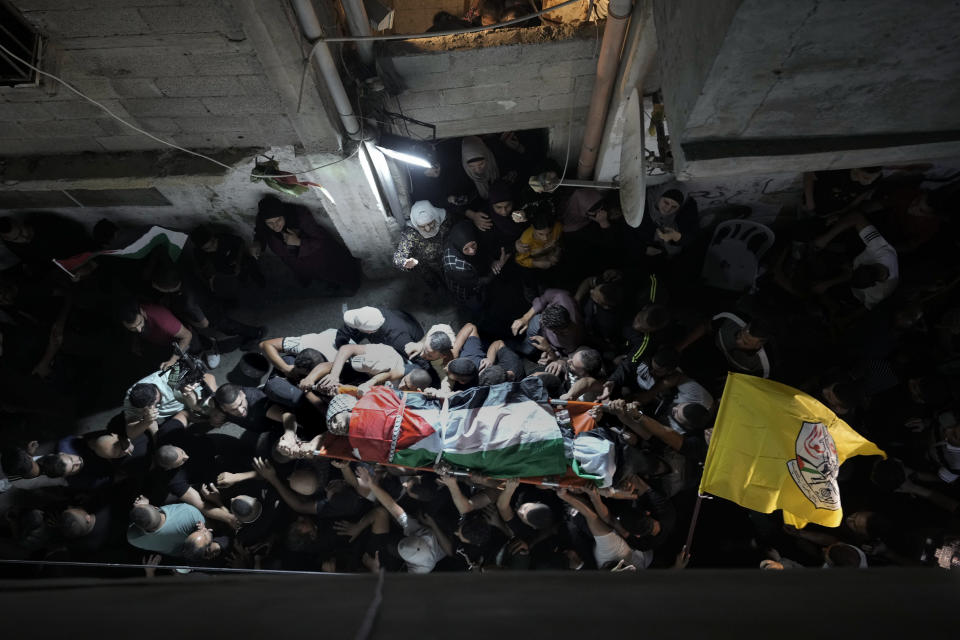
518,326
265,470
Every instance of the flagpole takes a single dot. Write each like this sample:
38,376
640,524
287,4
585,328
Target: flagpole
65,270
693,525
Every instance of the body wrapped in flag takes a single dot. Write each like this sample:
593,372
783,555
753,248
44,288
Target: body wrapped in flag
505,430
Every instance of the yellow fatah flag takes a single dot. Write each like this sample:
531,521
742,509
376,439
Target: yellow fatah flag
774,447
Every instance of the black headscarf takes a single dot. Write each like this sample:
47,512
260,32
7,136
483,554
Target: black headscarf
460,235
271,206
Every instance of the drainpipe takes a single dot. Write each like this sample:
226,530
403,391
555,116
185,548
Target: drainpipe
613,34
359,25
639,52
311,28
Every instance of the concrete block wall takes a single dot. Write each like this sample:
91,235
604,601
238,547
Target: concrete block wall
497,81
187,71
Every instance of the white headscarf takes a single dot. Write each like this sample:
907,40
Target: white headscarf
365,319
473,148
423,213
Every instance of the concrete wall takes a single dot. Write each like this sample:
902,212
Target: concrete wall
809,85
498,81
690,34
204,74
198,194
221,76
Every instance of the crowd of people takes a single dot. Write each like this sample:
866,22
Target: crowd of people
855,304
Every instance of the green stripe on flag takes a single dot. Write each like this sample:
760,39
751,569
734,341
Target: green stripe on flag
541,458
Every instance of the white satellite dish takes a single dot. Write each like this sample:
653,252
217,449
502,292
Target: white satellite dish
633,172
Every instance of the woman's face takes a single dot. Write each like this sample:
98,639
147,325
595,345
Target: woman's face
275,224
504,208
668,206
429,227
470,249
477,167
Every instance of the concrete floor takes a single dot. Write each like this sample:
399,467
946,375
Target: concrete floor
293,310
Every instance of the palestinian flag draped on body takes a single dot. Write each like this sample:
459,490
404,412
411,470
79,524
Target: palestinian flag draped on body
507,430
155,237
774,447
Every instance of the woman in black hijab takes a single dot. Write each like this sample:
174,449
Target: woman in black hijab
461,265
671,224
310,252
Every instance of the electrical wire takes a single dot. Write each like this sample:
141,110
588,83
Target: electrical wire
130,565
110,113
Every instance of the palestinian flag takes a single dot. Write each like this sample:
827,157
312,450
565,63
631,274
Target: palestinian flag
140,248
508,430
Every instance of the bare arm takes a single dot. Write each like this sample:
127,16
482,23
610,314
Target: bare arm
464,505
344,353
582,386
317,373
583,289
271,349
465,332
183,337
503,500
394,375
665,434
493,350
193,497
442,538
594,523
295,501
367,482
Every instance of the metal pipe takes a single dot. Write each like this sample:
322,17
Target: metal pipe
639,51
310,25
359,25
613,35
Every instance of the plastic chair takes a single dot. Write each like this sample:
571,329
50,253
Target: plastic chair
733,257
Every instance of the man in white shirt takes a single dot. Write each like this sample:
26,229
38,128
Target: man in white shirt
275,348
610,538
876,270
423,545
